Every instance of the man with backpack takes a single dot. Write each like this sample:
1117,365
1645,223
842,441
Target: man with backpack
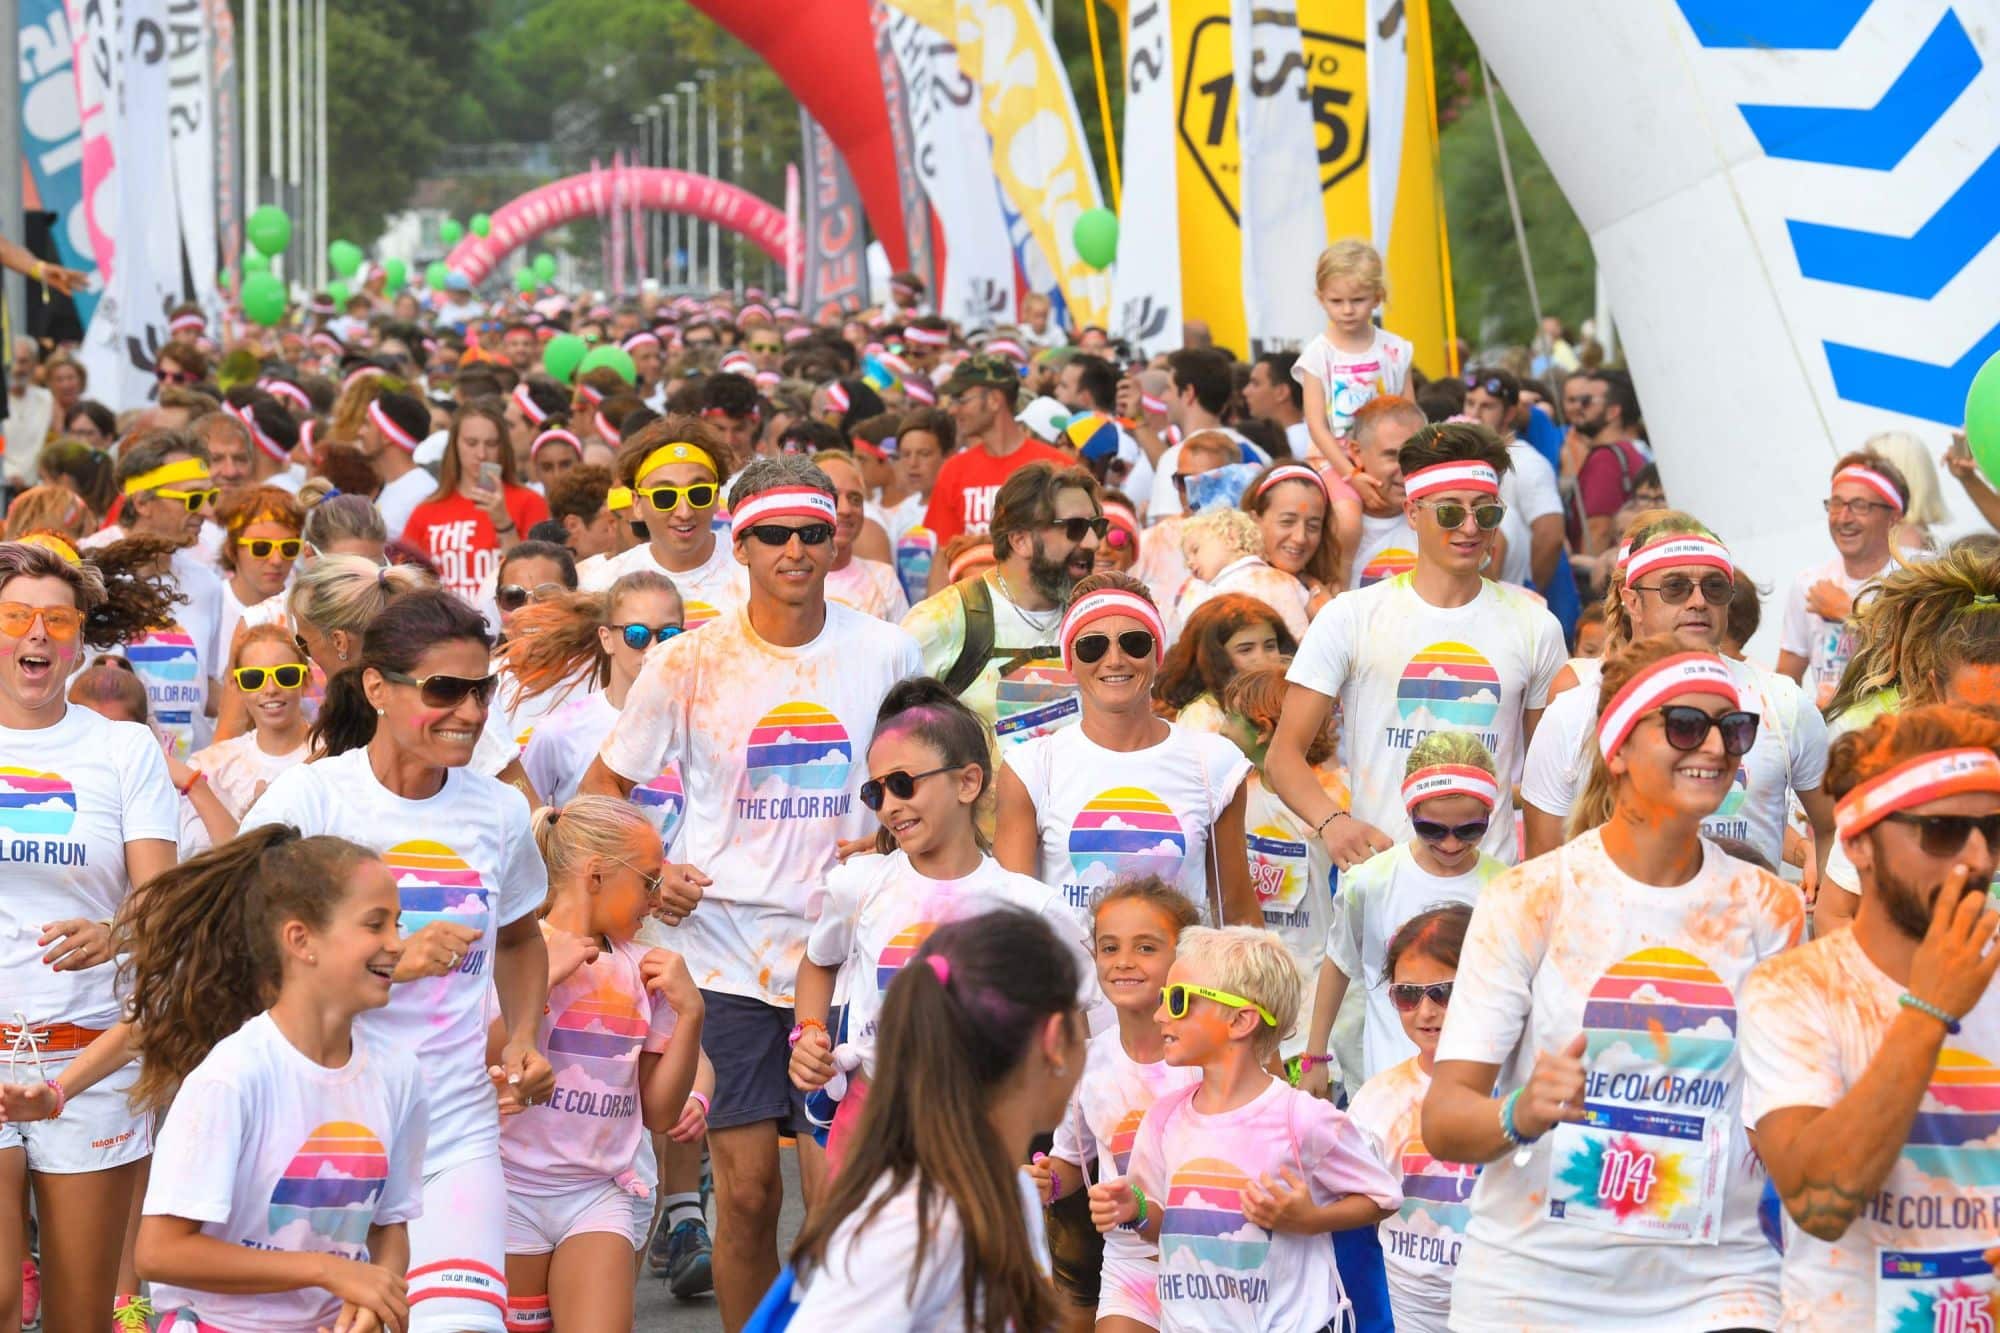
1601,460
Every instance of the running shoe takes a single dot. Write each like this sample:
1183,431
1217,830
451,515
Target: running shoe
132,1314
31,1295
681,1256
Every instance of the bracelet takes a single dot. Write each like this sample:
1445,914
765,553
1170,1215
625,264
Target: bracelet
1328,820
799,1029
193,778
1138,1218
699,1096
62,1099
1507,1129
39,271
1054,1183
1909,1001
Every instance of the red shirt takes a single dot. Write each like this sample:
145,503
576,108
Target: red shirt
459,538
962,500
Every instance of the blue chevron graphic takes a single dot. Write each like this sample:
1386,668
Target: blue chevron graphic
1803,25
1880,136
1918,265
1898,384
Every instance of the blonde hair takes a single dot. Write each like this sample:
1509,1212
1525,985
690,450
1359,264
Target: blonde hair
1909,456
1646,526
1449,747
48,508
1599,796
1234,528
1252,962
570,836
1354,259
348,591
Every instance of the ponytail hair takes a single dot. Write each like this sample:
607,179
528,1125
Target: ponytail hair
923,707
203,943
602,826
956,1023
395,640
554,639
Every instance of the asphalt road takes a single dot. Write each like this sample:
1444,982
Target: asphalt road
659,1312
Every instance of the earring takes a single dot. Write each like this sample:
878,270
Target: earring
1058,1071
313,959
381,712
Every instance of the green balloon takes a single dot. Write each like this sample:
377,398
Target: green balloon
481,224
269,229
253,262
263,299
561,355
614,356
1096,237
545,266
345,257
339,292
451,231
524,280
396,271
223,280
1982,418
436,275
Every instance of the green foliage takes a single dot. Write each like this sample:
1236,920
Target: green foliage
383,113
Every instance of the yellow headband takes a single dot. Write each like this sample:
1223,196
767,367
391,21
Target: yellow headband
677,452
618,499
187,469
50,541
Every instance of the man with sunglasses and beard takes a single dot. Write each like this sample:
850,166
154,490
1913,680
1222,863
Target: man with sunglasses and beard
992,637
1438,648
672,470
766,712
1868,1053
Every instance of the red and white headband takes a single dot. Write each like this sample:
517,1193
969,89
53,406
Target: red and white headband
1005,347
606,431
1874,481
781,502
870,449
271,448
768,379
326,342
391,432
1928,777
288,391
359,373
1111,602
798,334
1122,516
589,394
189,323
1295,472
1156,406
1450,780
529,407
737,363
917,391
307,429
1461,475
1683,673
555,435
1682,548
837,398
926,337
753,310
1624,556
640,339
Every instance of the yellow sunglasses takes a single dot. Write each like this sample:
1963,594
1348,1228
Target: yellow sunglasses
289,676
1176,995
194,500
260,548
701,495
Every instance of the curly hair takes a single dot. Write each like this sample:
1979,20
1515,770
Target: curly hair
1198,663
1921,622
136,598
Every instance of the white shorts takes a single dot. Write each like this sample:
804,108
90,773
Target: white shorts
1129,1287
537,1223
458,1251
97,1130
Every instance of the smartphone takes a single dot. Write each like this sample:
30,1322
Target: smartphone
489,477
1959,446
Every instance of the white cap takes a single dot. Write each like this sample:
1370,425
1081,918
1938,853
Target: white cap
430,453
1044,418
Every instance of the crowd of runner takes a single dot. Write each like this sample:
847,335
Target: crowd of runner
464,824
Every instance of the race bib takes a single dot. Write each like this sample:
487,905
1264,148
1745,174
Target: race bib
1936,1291
1639,1172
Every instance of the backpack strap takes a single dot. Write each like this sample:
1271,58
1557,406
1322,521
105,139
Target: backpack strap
976,603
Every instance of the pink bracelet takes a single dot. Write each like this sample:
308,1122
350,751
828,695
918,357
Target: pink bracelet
62,1100
701,1097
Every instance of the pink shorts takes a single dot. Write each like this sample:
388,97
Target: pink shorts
538,1223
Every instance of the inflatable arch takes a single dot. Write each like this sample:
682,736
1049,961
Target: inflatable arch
591,193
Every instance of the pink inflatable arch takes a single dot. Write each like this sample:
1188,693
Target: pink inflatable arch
652,189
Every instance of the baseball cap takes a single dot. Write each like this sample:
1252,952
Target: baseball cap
1044,417
983,371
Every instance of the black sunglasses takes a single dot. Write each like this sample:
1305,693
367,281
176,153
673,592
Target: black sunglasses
898,784
1945,835
640,636
1075,528
777,534
1450,514
512,596
1432,831
1677,588
1687,727
1406,996
1136,644
446,691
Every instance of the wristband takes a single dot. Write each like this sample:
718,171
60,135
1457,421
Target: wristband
193,778
702,1097
1507,1129
799,1030
1328,820
1138,1218
1909,1001
62,1099
1054,1183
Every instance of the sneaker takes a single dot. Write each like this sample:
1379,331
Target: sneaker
681,1256
31,1295
132,1314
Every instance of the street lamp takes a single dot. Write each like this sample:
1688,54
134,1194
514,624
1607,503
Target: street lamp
687,89
664,119
714,168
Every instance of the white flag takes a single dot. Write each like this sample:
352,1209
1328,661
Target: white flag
1146,281
1283,220
1388,91
191,113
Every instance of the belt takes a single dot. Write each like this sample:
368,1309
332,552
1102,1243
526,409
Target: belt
49,1037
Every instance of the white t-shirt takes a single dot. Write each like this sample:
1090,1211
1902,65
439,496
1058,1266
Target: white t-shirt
1825,645
713,588
773,740
567,740
400,498
464,856
272,1151
177,660
1388,548
879,911
870,587
871,1279
1110,1101
1421,1243
1789,756
1529,490
1024,691
1350,379
238,768
71,796
1105,815
1251,576
1293,876
1375,899
1812,1021
1161,566
1220,1272
1402,668
1644,1217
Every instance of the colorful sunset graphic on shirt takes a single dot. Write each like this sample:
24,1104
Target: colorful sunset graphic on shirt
435,884
1387,563
332,1184
1440,1192
1126,831
36,803
1123,1135
164,654
1278,867
1952,1149
915,550
663,800
901,948
800,745
1034,699
1449,686
1739,792
599,1032
1204,1218
1665,1005
1956,1137
695,614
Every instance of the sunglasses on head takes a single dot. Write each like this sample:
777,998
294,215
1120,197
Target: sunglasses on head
701,495
60,623
288,676
641,636
1406,996
194,500
1432,831
898,784
777,534
1677,588
1136,644
1075,528
1687,727
446,691
1450,514
1178,997
260,548
1946,835
512,596
1491,384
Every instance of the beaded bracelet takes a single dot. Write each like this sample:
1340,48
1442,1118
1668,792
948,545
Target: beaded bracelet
1507,1130
1909,1001
62,1099
1138,1218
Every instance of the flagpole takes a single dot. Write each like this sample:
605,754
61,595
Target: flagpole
1103,100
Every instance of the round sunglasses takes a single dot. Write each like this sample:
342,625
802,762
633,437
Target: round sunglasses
287,676
898,784
1687,727
1136,644
644,636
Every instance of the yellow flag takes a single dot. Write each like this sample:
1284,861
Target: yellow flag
1419,255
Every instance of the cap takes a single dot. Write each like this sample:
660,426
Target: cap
982,371
1044,418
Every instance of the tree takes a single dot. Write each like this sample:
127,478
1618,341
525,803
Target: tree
385,105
